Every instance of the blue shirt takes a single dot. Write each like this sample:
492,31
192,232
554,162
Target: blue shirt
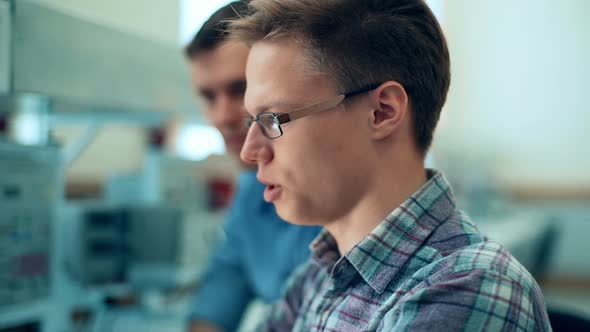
256,258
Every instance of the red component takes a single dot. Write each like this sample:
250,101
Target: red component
220,193
157,137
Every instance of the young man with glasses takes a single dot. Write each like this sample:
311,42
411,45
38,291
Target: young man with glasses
344,97
260,250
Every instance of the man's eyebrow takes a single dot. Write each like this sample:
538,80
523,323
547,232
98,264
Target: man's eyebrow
240,82
201,92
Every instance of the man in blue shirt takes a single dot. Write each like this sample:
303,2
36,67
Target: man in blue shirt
260,250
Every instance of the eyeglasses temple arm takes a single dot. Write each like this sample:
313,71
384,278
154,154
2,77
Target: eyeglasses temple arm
305,111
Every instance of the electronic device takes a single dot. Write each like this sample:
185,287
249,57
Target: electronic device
30,191
147,246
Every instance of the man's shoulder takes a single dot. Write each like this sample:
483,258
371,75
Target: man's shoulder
461,248
466,282
457,249
487,261
489,256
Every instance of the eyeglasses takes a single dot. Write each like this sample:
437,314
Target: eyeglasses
270,123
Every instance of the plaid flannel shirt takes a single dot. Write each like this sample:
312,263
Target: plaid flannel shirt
426,267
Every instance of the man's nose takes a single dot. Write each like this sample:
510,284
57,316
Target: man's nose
256,148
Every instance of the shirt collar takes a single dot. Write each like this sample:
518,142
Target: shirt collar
389,247
324,249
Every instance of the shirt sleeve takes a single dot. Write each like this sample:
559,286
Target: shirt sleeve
472,301
225,291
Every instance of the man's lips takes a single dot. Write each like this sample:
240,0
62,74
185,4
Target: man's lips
272,190
272,193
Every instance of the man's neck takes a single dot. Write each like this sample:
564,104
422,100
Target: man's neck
386,194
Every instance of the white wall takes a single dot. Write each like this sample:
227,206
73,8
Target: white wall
194,13
521,79
517,110
116,148
154,19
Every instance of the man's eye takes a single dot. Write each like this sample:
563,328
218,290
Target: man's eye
208,96
237,89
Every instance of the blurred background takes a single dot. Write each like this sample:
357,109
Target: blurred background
113,187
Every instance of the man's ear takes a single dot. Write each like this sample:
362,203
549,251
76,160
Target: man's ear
390,107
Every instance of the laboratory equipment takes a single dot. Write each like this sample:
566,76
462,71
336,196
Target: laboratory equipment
5,41
30,191
24,327
156,246
72,84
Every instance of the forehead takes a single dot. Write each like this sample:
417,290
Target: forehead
278,73
223,64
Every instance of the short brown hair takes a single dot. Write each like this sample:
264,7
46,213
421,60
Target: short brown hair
363,42
214,30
